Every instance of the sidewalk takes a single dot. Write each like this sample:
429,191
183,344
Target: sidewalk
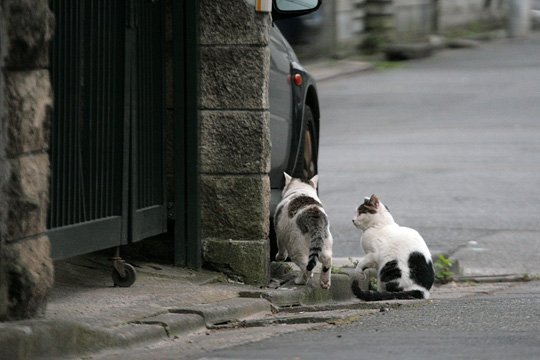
87,314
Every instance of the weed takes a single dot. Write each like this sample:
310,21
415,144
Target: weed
373,285
443,272
338,270
385,65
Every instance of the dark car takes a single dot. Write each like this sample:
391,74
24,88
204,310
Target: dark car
294,105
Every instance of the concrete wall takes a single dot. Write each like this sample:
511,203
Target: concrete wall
235,139
25,265
456,13
413,18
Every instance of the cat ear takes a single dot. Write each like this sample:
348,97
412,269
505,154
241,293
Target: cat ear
374,201
314,181
287,179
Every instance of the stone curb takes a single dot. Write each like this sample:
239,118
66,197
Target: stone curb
228,310
33,338
295,296
505,278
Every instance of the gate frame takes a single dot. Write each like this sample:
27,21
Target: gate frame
187,226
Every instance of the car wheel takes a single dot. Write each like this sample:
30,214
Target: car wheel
306,166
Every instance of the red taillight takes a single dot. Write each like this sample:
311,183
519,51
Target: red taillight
297,79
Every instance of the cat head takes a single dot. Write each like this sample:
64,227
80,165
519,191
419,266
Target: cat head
371,213
300,184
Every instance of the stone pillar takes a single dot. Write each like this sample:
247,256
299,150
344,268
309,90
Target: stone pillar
26,268
235,139
519,18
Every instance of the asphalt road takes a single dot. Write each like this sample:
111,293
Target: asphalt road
451,144
500,326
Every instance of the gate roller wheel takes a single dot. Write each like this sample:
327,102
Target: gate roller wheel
128,279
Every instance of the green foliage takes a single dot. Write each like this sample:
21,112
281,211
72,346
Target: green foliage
373,43
373,285
338,270
443,272
385,65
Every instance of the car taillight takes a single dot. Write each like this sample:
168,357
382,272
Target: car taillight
297,79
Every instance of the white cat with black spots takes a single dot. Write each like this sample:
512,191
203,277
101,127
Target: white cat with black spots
400,255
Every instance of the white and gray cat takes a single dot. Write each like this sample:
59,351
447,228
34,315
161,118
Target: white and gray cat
302,229
400,255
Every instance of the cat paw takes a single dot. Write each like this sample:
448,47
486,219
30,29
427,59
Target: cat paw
325,285
281,257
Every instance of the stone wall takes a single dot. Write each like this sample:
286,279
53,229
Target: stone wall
26,270
235,139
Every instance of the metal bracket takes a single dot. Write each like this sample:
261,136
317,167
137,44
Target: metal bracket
118,263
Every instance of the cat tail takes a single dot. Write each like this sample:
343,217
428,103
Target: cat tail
313,222
315,249
368,295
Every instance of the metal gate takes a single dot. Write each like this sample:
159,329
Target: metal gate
107,173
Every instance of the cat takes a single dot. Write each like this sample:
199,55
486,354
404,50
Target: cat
303,230
400,255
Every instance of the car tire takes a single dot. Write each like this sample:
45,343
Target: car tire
306,166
